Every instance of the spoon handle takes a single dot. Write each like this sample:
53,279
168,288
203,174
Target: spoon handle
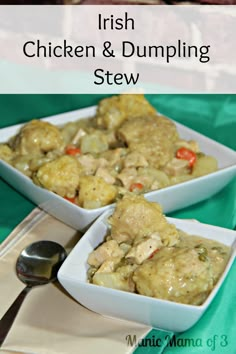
8,319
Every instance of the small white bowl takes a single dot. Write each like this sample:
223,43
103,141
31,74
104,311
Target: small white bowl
119,304
171,198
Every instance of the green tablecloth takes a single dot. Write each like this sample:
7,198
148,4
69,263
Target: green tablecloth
212,115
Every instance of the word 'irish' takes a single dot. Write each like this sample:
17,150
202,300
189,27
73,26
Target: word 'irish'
118,23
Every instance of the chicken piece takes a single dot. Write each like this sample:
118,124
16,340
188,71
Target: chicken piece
37,137
94,192
109,265
115,158
191,145
111,112
133,159
144,248
127,176
152,137
109,249
79,134
105,174
175,274
134,218
6,152
91,164
114,280
70,129
177,167
61,176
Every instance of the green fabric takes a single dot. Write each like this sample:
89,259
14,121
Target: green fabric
212,115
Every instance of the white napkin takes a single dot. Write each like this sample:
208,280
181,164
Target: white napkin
50,321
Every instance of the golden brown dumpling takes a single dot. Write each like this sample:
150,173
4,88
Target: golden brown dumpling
135,218
37,137
151,137
111,112
61,176
175,274
94,192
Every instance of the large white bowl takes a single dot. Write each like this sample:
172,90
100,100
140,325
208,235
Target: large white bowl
119,304
171,198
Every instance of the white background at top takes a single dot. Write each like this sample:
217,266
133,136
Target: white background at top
154,25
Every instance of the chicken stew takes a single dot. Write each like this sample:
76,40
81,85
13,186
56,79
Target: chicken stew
127,147
145,254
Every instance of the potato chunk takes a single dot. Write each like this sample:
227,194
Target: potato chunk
152,178
61,176
6,152
114,280
204,165
22,163
94,143
94,192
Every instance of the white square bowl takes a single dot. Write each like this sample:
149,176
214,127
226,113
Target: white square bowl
157,313
171,198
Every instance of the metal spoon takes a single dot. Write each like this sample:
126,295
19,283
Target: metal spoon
37,264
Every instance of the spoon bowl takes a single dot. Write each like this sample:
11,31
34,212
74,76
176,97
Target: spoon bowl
37,264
